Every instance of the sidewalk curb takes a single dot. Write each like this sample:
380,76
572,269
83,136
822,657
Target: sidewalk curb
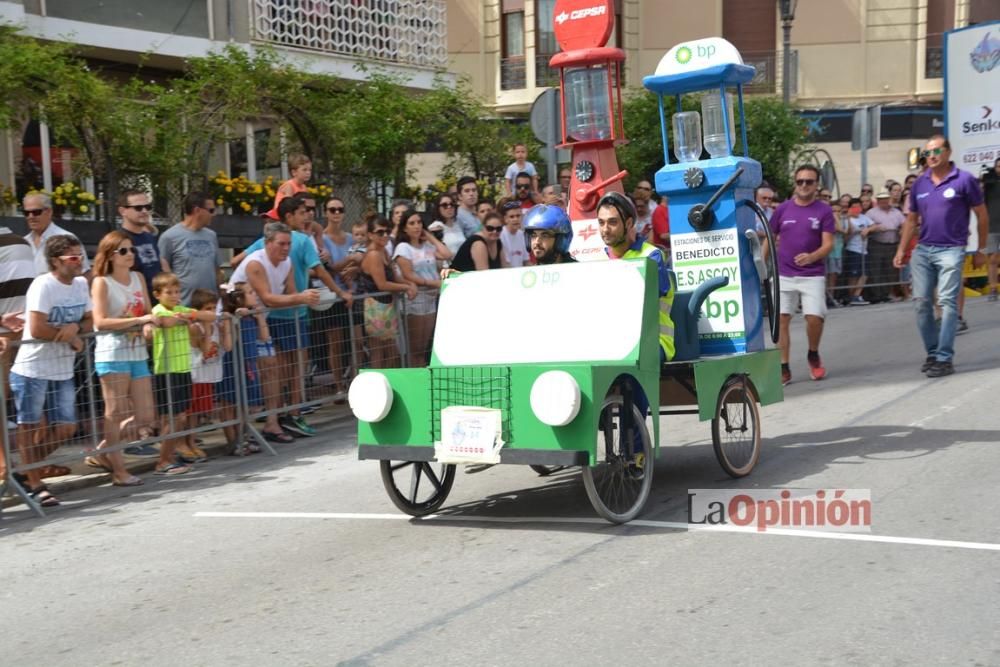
323,420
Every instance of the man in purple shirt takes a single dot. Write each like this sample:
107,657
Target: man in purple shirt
941,199
803,228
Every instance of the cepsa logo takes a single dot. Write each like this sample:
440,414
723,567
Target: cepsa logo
597,10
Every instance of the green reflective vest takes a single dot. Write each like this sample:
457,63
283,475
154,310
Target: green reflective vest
666,302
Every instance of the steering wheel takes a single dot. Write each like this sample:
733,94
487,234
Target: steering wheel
769,280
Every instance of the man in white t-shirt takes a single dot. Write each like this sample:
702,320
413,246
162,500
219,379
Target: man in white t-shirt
58,310
512,236
37,208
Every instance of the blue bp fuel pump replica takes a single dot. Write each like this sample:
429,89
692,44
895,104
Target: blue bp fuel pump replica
714,221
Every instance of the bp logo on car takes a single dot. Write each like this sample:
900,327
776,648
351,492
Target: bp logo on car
683,55
529,279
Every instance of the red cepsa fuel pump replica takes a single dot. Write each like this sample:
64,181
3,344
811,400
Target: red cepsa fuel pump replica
590,78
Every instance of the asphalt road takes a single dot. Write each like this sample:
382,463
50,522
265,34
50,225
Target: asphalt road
518,570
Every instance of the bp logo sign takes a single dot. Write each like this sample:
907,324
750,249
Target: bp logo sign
683,55
529,279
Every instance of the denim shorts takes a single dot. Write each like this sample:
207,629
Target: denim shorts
265,348
31,395
137,369
283,332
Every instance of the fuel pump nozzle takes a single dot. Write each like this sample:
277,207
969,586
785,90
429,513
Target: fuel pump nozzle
700,216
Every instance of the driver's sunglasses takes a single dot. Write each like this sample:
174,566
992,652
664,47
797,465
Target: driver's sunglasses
33,212
139,208
932,151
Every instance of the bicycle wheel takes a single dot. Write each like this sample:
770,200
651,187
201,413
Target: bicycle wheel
544,471
417,487
618,484
736,428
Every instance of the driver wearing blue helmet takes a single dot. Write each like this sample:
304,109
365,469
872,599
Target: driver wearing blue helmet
547,233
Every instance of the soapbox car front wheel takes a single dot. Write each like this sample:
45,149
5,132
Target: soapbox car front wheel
545,471
619,482
417,487
736,427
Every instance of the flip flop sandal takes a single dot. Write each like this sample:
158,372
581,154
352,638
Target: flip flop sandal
44,497
95,462
172,469
282,437
131,481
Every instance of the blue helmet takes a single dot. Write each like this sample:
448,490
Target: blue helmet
552,218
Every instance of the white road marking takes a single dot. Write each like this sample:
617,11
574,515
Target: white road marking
667,525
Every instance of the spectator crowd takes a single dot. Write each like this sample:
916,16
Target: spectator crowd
177,337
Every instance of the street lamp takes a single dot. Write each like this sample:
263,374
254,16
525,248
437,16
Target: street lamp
787,9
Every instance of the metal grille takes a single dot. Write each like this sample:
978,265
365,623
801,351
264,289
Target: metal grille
474,386
410,32
512,73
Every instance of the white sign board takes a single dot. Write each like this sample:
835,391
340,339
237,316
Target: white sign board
699,256
469,435
972,95
587,245
541,314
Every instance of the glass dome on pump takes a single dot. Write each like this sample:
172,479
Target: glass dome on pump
591,94
710,66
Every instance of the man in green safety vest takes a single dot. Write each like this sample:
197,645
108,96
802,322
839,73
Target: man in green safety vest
616,218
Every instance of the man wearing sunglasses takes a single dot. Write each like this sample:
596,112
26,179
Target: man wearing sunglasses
136,211
190,249
803,227
38,213
941,200
522,190
58,310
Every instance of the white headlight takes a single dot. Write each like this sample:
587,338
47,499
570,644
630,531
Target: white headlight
370,397
555,398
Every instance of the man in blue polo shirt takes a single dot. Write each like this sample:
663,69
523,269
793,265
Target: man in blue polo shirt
941,199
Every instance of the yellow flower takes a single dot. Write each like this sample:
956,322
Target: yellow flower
84,208
220,201
257,189
61,202
229,188
245,206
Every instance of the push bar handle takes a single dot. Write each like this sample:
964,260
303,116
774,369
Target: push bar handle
700,216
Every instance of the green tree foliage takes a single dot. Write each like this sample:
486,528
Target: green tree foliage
774,132
160,132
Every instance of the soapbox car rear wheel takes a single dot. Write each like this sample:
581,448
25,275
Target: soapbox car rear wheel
417,487
736,427
544,471
618,483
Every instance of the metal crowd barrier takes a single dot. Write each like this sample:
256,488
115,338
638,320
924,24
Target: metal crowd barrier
316,353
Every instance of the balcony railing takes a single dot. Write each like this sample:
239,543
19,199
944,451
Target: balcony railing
408,32
545,75
769,64
512,73
934,62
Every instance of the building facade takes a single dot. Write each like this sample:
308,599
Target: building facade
845,54
403,37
